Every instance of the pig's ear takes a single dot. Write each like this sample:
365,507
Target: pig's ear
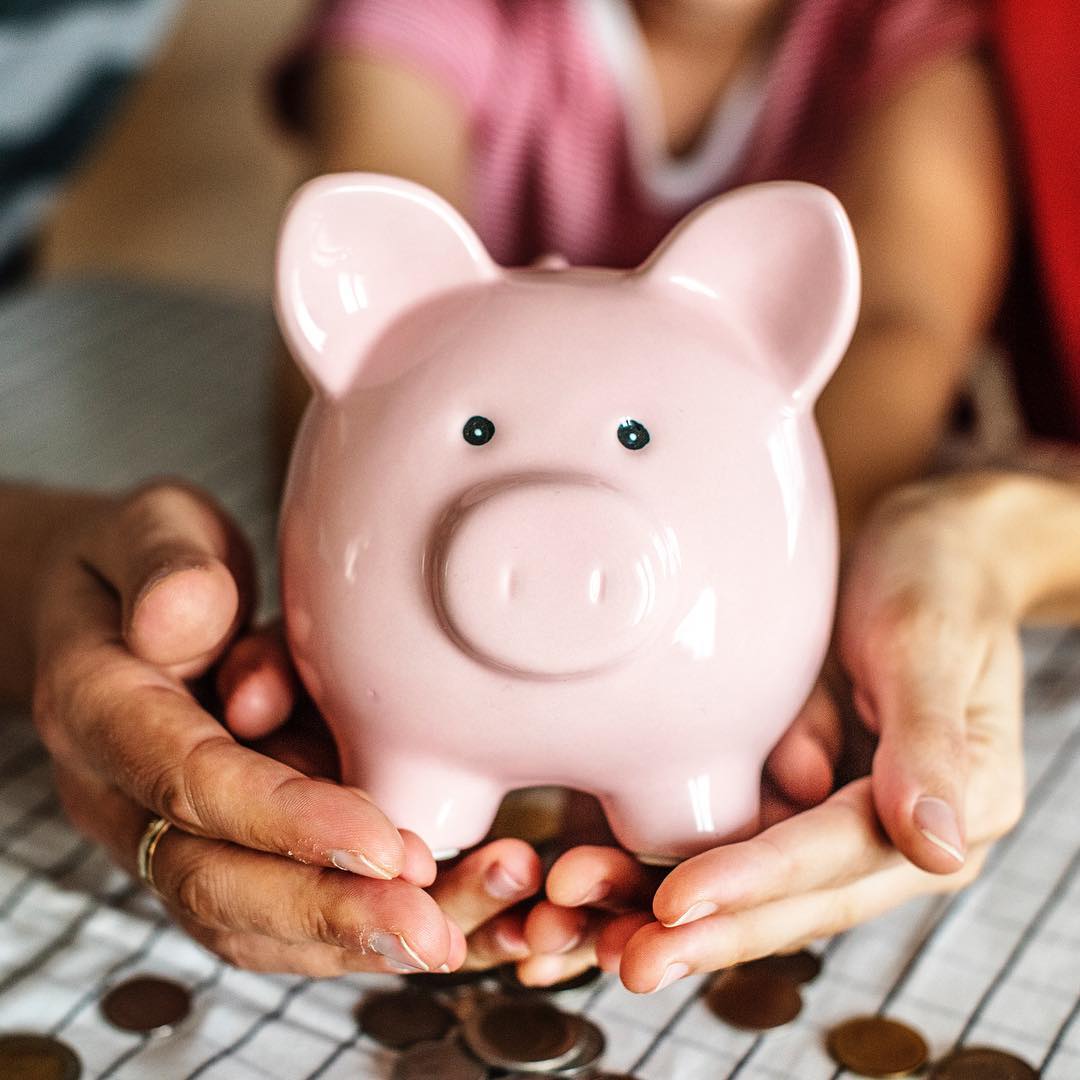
781,260
355,251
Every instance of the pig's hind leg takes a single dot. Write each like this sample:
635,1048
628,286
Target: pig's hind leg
665,822
448,807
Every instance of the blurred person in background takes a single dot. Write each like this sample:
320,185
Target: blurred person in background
588,128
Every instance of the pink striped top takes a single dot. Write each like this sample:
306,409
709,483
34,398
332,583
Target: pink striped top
567,149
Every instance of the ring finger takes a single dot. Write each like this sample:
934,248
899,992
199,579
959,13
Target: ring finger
225,888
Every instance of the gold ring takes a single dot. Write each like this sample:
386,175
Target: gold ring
148,843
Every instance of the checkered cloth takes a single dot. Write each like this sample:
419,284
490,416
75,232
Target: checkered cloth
105,383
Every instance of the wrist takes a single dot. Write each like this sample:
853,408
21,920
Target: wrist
1024,529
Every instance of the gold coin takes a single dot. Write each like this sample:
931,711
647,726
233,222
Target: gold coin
877,1047
37,1057
754,999
982,1063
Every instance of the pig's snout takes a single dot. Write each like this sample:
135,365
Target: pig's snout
550,577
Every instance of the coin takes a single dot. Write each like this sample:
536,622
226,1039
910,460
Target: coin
400,1019
508,978
591,1076
147,1004
877,1047
25,1056
589,1046
443,1059
754,999
800,967
982,1063
435,981
523,1034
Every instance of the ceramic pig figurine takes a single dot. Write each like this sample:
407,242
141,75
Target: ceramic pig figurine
555,525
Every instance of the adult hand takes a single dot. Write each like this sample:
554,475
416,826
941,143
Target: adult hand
482,893
927,632
267,866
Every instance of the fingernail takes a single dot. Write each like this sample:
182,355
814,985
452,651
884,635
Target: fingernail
673,973
165,570
500,884
510,940
396,949
443,969
356,862
701,910
571,944
543,971
936,820
594,895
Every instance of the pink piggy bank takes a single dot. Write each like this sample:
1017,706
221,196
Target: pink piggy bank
561,525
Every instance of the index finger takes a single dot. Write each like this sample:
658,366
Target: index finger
154,743
139,729
825,847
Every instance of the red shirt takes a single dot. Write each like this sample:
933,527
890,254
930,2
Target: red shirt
1039,47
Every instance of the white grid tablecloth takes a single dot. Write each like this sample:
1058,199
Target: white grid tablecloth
103,383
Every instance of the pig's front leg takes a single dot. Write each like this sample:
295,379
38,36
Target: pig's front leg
668,817
448,807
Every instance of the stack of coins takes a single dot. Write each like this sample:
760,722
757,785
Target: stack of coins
475,1026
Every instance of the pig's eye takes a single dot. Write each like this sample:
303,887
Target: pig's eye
479,430
633,434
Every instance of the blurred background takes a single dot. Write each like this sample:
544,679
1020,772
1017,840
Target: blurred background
197,132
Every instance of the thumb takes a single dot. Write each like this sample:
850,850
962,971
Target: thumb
182,572
914,691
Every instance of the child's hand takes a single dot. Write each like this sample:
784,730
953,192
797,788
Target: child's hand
596,892
140,595
928,635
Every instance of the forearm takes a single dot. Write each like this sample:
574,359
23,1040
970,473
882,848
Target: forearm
1007,542
1032,530
31,520
885,411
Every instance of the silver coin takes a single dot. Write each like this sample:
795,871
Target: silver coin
444,1059
590,1045
25,1056
524,1034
